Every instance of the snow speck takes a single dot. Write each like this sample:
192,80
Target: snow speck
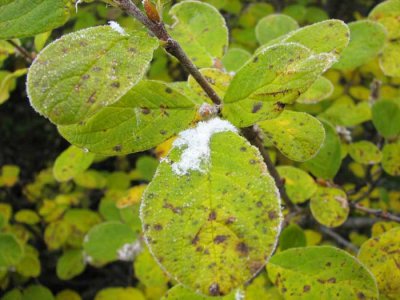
129,251
196,142
116,27
239,295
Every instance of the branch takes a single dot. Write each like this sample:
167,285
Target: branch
28,56
170,45
338,238
376,212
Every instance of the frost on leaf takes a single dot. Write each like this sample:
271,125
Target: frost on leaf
116,27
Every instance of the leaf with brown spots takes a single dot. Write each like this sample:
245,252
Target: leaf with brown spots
320,273
223,233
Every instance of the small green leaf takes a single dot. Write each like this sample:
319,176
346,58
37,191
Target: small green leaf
120,294
298,135
365,152
148,271
14,294
235,58
68,295
385,116
274,26
217,223
329,206
321,273
11,251
253,13
381,256
146,166
298,184
367,39
179,292
108,242
23,18
71,162
274,77
292,237
56,234
9,175
391,159
327,162
79,74
8,83
146,116
29,265
201,31
70,264
321,89
35,292
27,216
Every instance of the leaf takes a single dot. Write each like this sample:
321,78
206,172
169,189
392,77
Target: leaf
11,251
8,83
385,116
329,206
217,223
56,234
23,18
273,78
321,273
29,265
327,162
381,256
9,175
120,294
273,26
70,264
148,271
35,292
365,152
108,242
367,39
68,295
146,166
201,31
82,72
291,237
179,292
27,216
146,116
387,13
71,162
391,159
321,89
298,184
298,135
253,13
235,58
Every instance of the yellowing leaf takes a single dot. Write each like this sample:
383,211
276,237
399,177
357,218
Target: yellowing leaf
9,175
133,197
391,159
385,116
321,89
120,294
365,152
11,251
70,264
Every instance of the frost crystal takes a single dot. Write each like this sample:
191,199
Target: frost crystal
196,142
128,251
116,27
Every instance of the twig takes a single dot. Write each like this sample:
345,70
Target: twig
28,56
338,238
376,212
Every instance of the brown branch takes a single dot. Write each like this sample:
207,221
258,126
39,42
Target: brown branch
27,55
376,212
338,238
170,45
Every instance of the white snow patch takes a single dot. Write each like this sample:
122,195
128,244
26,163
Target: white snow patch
129,251
239,295
116,27
196,142
87,259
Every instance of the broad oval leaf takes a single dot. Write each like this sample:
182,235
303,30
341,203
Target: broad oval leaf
298,135
274,77
217,223
23,18
321,89
148,271
70,264
36,291
179,292
235,58
292,236
273,26
381,256
201,31
391,159
79,74
321,273
367,39
146,116
329,206
11,251
120,294
365,152
385,116
298,184
71,162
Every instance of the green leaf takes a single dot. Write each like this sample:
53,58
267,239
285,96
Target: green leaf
388,13
27,216
146,166
391,159
68,295
298,135
365,152
385,116
70,264
253,13
180,292
35,292
71,162
56,234
120,294
77,75
9,175
274,77
321,89
321,273
291,237
235,58
14,294
108,242
29,265
8,83
327,162
11,251
381,256
329,206
23,18
148,271
201,31
146,116
217,223
274,26
298,184
367,39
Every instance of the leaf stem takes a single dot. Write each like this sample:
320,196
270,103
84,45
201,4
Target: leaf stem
375,212
338,238
28,56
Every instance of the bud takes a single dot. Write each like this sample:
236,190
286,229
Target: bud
151,11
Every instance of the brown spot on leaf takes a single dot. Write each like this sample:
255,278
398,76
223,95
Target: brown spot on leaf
168,90
145,110
230,220
117,148
158,227
242,248
92,98
361,296
115,84
256,107
306,288
272,215
220,239
214,289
